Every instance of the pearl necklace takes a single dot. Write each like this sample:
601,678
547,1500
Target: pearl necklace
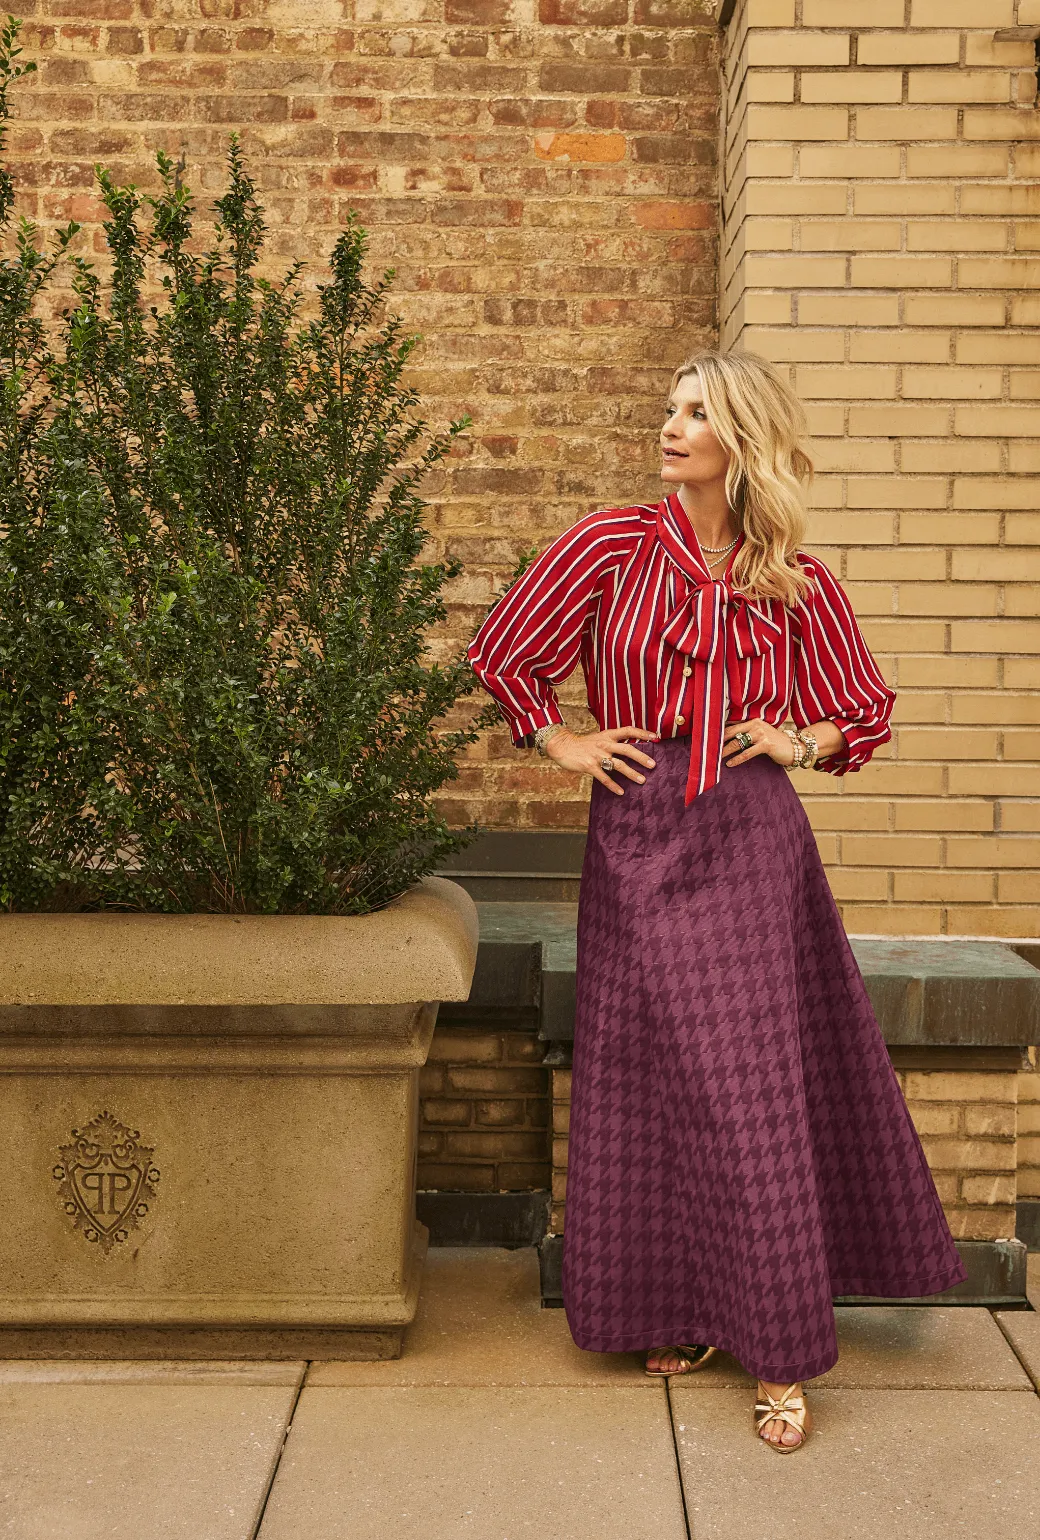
725,549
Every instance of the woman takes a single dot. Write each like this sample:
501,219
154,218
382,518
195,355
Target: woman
740,1150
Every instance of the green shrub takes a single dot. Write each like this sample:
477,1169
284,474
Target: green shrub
216,688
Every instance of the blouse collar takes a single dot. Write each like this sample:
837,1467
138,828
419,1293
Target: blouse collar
679,538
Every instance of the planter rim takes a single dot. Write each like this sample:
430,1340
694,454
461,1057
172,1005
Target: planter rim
421,946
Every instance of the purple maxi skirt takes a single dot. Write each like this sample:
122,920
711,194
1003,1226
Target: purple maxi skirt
740,1150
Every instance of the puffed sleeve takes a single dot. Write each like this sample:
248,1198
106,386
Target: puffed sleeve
835,676
531,640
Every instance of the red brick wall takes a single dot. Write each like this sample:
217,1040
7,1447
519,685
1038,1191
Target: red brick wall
484,1109
540,173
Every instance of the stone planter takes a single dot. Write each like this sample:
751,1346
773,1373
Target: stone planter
210,1127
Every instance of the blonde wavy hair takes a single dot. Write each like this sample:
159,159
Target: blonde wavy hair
757,417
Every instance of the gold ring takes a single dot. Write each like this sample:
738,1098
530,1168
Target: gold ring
606,763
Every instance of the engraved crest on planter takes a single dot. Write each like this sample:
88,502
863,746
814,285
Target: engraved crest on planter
106,1180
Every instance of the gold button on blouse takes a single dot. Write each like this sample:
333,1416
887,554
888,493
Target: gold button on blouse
687,671
680,720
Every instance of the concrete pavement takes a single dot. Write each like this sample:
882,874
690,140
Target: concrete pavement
492,1425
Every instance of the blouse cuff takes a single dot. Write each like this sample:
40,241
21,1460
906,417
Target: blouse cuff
860,743
524,725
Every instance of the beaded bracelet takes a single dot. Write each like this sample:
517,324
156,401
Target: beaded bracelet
806,748
800,747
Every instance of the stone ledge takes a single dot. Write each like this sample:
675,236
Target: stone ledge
528,864
926,993
484,1218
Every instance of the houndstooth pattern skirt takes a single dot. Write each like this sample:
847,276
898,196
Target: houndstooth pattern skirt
740,1150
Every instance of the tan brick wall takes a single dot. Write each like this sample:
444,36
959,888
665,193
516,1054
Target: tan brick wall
881,229
1028,1125
484,1111
967,1124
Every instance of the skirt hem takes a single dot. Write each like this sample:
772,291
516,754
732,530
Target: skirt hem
773,1372
910,1289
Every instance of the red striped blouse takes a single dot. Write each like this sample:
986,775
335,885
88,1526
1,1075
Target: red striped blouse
667,647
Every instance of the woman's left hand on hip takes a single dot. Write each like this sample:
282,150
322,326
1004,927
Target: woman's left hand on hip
765,739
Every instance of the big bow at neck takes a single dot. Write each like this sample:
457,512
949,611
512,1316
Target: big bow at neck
697,625
700,625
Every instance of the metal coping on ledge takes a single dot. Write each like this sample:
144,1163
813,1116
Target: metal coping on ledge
996,1278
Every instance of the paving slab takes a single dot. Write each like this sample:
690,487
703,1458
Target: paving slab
138,1462
922,1347
480,1322
919,1464
1022,1330
487,1463
44,1371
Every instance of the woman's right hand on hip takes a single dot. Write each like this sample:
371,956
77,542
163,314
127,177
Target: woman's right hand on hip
585,752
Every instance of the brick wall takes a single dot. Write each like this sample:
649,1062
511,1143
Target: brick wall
967,1124
484,1109
561,1126
541,173
882,230
1028,1128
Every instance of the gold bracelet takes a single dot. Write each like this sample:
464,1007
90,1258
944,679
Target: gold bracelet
543,734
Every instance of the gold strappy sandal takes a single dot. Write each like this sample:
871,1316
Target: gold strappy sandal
691,1356
789,1409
